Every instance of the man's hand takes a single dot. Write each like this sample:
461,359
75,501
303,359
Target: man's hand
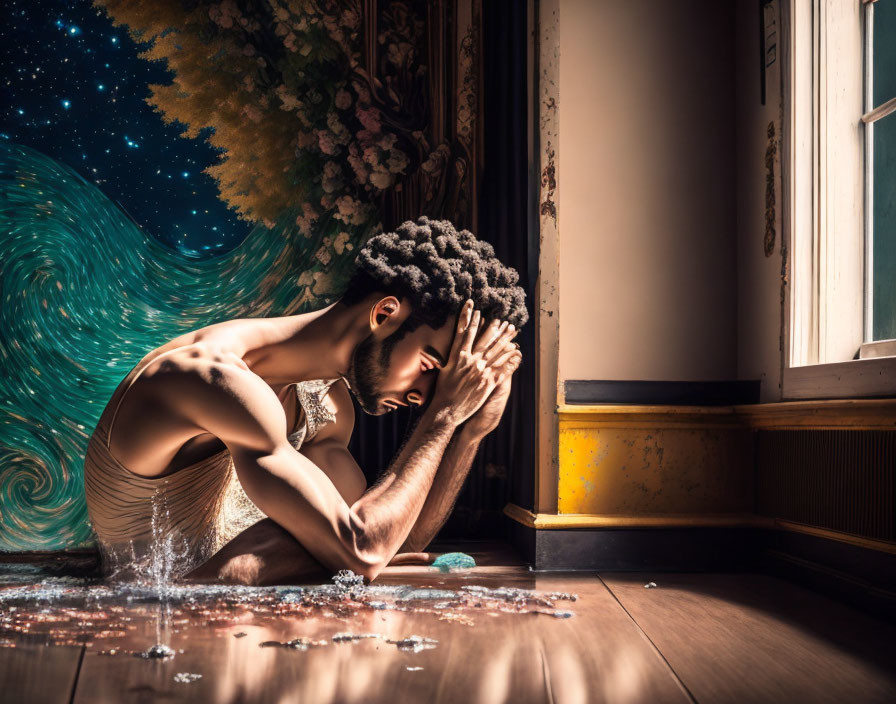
501,355
487,418
474,365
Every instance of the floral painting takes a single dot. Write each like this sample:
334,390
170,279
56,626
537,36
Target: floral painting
328,120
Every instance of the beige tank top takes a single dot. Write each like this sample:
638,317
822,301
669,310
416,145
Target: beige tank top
162,527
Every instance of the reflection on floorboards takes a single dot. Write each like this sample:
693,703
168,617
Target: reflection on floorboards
694,637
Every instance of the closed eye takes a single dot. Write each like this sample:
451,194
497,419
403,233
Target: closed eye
434,357
427,364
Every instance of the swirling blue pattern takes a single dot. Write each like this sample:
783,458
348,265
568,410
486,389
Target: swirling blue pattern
85,294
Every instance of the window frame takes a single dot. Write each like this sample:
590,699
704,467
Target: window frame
873,113
825,321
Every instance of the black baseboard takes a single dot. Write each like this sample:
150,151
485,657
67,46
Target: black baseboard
675,393
637,549
860,576
876,567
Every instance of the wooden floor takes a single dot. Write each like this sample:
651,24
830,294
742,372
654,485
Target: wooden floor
695,637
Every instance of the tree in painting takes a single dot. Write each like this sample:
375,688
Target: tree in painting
310,118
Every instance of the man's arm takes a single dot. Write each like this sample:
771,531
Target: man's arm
329,451
446,485
457,460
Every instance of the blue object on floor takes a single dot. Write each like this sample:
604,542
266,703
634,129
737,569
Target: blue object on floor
451,561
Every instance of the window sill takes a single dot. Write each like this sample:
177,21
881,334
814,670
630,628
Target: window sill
857,378
881,348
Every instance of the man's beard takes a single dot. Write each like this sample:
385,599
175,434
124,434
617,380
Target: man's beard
367,371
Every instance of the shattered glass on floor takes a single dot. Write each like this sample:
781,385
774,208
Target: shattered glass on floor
111,618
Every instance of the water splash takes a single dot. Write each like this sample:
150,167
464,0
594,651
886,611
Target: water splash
157,652
84,294
349,583
169,555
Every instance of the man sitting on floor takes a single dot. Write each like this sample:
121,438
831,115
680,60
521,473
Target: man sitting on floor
229,459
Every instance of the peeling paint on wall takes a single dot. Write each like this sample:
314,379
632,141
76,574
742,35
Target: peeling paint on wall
784,281
613,469
771,151
546,68
548,185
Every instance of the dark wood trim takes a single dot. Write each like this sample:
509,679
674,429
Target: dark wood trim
863,577
838,414
874,567
638,549
677,393
633,520
858,575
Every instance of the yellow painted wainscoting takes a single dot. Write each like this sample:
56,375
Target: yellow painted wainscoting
626,466
658,460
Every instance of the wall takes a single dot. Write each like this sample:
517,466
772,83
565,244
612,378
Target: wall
668,214
646,190
760,334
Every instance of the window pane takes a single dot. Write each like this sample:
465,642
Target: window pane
884,51
884,290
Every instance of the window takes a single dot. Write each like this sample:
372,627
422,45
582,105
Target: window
840,197
880,178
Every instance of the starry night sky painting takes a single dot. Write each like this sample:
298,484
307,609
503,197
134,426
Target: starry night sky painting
168,164
74,89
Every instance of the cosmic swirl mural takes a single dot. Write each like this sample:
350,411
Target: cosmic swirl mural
166,164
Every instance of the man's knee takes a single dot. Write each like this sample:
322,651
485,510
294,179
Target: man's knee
242,569
263,554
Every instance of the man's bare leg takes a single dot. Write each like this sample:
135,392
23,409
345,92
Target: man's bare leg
265,554
261,555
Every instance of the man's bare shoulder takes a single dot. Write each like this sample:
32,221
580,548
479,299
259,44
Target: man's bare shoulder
233,336
214,390
187,391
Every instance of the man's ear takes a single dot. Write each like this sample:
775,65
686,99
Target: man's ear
384,310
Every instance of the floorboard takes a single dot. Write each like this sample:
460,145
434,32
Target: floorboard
744,638
597,655
600,654
38,674
706,638
495,658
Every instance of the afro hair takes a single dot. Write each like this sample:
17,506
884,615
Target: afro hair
437,268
